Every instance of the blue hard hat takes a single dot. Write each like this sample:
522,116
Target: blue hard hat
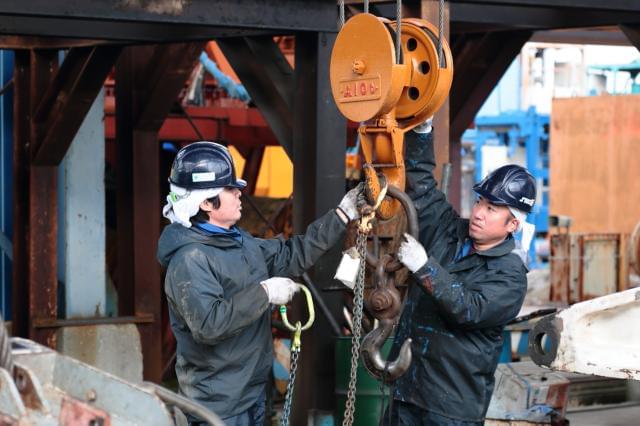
203,165
509,185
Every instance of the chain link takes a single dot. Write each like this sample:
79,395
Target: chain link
358,290
286,412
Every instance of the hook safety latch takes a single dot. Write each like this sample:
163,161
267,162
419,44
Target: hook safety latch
298,328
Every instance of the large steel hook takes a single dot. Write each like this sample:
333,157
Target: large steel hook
384,302
372,358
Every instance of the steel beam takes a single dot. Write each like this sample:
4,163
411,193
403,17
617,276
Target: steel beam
633,34
319,139
68,99
479,63
36,42
251,171
42,211
620,5
21,113
268,78
168,69
533,17
165,21
608,36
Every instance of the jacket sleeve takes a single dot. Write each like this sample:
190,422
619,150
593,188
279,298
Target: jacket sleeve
292,257
199,299
491,301
435,215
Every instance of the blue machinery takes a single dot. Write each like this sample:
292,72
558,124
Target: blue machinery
516,130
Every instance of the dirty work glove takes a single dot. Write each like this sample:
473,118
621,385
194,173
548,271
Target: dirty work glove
279,290
424,127
412,254
349,202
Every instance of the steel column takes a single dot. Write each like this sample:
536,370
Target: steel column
319,137
21,112
148,81
35,211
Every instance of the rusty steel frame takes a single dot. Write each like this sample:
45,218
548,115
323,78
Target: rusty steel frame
149,79
68,99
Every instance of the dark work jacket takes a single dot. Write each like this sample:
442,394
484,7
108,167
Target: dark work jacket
456,329
219,311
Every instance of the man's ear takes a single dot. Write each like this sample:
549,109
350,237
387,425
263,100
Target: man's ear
512,226
206,206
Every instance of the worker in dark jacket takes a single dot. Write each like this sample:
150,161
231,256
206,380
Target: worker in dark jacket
469,280
220,282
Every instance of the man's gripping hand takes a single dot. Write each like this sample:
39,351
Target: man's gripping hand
279,290
412,254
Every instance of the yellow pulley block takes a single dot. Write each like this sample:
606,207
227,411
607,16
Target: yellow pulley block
365,80
387,96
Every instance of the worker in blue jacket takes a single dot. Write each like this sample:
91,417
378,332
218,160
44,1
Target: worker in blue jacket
469,280
220,282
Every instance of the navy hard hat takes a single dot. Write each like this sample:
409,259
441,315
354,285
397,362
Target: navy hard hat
509,185
203,165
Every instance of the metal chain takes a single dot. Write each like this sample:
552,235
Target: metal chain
440,29
398,30
286,412
341,3
358,301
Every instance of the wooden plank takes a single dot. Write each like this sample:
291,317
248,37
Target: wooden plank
594,162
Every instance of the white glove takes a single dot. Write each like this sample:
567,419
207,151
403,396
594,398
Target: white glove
425,127
279,290
412,254
349,203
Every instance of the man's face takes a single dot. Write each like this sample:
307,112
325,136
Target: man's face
490,224
230,209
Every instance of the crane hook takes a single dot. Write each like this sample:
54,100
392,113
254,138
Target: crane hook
372,359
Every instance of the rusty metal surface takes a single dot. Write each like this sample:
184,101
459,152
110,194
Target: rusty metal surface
77,413
42,209
584,266
58,389
68,98
634,249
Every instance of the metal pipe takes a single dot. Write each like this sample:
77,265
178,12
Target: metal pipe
186,405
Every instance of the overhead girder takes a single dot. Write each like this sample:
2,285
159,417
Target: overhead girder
67,100
268,77
633,34
479,63
164,21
